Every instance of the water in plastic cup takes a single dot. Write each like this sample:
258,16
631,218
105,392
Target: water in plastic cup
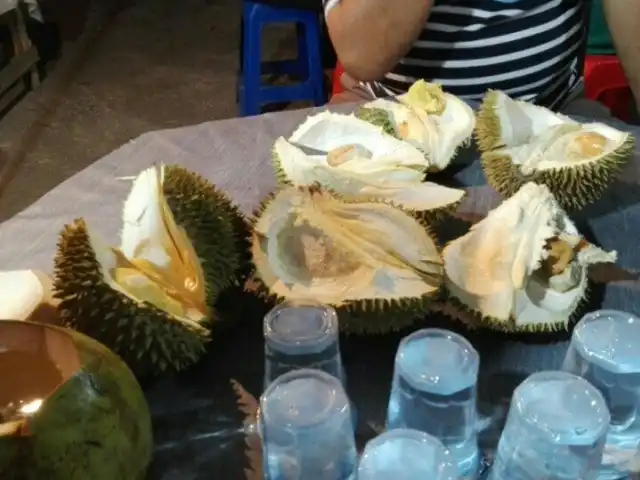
605,350
555,430
301,335
405,454
306,428
434,391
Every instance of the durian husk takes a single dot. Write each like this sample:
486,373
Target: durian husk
573,187
423,103
147,337
361,317
219,231
506,258
410,159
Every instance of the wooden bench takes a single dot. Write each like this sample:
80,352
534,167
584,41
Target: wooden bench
21,72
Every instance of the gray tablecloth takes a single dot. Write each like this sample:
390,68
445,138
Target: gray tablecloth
234,154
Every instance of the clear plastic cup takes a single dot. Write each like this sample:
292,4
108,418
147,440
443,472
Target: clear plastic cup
605,350
301,335
555,430
406,454
434,391
306,428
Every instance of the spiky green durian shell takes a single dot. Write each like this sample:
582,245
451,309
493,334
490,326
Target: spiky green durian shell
146,338
454,308
217,229
363,317
573,188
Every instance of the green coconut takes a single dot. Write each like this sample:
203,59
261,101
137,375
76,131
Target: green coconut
435,122
358,161
152,300
521,142
70,409
375,263
523,268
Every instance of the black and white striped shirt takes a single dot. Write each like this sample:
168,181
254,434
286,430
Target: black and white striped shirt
530,49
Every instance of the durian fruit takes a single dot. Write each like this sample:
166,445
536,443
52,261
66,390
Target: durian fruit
436,122
376,264
523,267
358,161
152,299
521,142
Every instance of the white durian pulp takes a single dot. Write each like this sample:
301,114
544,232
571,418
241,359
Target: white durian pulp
438,135
494,269
537,139
360,161
308,245
156,262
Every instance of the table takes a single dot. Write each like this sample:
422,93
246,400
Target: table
197,426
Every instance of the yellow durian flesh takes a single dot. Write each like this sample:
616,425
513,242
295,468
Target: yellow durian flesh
436,122
523,267
310,245
156,262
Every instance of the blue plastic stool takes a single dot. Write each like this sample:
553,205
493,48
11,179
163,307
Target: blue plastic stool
252,95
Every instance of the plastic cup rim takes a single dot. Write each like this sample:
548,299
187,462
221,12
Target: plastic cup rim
456,337
304,373
329,326
558,374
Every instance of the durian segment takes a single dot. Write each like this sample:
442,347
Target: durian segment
328,132
131,316
152,299
218,229
311,245
523,267
356,178
434,121
521,142
156,255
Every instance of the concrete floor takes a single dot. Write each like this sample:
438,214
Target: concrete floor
156,64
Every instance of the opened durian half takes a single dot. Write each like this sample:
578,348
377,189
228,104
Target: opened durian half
523,267
521,142
358,161
377,264
434,121
152,299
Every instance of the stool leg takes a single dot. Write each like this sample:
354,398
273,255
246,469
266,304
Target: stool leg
314,59
251,59
302,66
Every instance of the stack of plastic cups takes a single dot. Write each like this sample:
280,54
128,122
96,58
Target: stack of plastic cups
434,391
555,430
405,454
306,428
301,335
605,350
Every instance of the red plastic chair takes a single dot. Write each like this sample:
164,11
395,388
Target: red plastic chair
606,82
337,85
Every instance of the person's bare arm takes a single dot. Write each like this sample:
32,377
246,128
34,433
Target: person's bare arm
623,19
370,36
